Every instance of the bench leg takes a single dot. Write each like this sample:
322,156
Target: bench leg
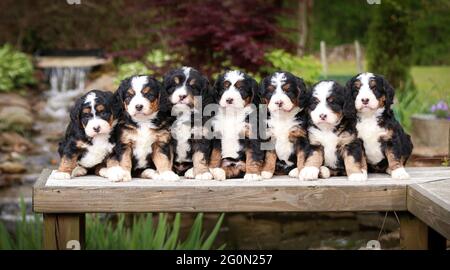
64,231
416,235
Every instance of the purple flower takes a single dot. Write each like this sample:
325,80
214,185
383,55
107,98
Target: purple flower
440,109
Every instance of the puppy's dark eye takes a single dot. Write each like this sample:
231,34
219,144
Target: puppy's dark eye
271,88
372,84
286,87
357,85
226,84
145,90
192,82
330,100
238,84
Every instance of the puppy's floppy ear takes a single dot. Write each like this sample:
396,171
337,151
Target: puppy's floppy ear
75,113
167,79
349,109
350,83
385,87
256,97
302,92
206,90
119,96
163,98
263,85
215,90
116,104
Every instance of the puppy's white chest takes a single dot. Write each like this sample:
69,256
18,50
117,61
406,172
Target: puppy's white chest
230,126
370,132
181,131
329,140
279,127
97,152
143,144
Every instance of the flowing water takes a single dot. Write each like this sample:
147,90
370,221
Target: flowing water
65,85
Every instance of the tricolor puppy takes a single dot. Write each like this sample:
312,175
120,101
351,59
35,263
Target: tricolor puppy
286,97
88,140
335,148
236,148
188,92
143,145
386,144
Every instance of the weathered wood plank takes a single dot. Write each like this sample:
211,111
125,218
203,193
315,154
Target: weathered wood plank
281,194
431,203
59,229
220,199
416,235
413,233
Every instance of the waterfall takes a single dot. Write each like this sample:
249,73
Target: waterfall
66,84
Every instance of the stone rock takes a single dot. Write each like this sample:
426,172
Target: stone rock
104,82
10,99
12,167
16,117
13,142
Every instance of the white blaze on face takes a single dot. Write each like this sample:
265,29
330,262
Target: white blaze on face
279,96
137,84
95,126
366,94
181,90
232,93
322,113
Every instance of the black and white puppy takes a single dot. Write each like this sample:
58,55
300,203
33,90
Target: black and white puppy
143,139
386,144
286,97
188,92
335,148
88,140
236,148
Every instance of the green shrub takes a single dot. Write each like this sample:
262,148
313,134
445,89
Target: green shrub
389,50
104,234
306,67
16,69
158,58
133,68
151,64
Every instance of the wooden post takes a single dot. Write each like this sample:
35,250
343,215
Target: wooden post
64,231
323,58
416,235
359,63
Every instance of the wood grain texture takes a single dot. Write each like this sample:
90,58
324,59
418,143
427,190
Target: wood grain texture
413,233
416,235
59,229
281,194
431,203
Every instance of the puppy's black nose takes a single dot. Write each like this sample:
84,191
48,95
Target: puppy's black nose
365,101
182,97
229,100
97,129
279,103
139,107
323,116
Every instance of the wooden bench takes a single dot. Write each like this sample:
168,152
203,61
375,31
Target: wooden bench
426,195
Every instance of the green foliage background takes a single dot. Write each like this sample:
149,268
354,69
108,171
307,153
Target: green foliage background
16,69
